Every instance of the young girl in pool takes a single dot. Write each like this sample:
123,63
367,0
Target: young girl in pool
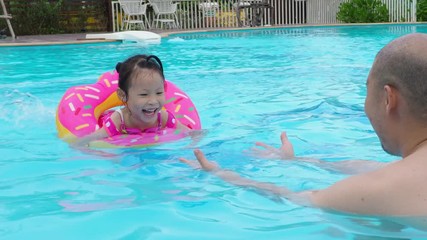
142,90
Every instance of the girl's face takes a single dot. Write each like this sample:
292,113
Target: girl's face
146,96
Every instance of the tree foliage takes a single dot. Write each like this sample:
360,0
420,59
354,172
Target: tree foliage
363,11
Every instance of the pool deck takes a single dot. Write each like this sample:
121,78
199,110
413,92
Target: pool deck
31,40
75,38
53,39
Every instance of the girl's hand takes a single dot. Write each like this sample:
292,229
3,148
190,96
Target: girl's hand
286,151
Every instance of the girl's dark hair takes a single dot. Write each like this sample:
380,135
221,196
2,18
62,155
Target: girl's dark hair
141,61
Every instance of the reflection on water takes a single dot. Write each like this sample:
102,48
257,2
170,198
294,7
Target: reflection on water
364,227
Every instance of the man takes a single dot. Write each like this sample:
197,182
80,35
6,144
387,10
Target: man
396,105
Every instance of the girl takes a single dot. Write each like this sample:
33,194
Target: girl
142,90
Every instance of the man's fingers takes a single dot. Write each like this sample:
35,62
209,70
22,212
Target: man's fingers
185,160
190,163
205,163
201,158
284,138
201,161
259,152
266,146
286,147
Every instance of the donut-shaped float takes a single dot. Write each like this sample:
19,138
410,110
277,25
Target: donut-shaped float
80,108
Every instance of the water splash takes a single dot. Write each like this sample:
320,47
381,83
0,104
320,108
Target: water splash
176,39
23,108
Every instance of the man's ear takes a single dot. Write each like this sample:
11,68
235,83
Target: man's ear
122,95
391,98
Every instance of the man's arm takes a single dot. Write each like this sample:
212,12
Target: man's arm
345,166
286,152
355,194
302,198
362,194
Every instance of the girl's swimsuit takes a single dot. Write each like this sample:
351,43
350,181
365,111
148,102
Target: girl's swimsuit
111,129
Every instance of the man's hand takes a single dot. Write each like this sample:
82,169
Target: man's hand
286,151
203,163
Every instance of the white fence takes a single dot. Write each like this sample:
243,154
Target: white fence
205,14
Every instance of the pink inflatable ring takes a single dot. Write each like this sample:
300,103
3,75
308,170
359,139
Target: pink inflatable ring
81,106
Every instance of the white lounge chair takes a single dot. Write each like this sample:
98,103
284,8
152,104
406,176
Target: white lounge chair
165,11
134,13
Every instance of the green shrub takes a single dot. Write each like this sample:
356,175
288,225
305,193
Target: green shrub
422,10
36,17
363,11
33,17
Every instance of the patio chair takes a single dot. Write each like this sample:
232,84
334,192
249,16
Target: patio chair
134,13
209,12
165,11
208,7
256,7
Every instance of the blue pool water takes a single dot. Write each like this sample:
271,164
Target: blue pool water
247,85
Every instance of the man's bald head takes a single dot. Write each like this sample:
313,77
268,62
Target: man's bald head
403,64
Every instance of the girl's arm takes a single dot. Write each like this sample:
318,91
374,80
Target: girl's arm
84,141
181,126
196,135
166,118
98,134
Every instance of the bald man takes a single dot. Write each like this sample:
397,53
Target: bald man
396,105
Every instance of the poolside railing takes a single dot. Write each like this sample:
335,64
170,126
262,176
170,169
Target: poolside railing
209,14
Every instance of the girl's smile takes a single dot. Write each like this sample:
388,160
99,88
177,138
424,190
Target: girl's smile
146,98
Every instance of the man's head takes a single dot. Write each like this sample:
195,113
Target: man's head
397,88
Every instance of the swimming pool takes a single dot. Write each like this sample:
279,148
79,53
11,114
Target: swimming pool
247,85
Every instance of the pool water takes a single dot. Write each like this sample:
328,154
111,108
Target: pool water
247,86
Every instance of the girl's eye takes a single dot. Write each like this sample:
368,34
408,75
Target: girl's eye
143,94
159,93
